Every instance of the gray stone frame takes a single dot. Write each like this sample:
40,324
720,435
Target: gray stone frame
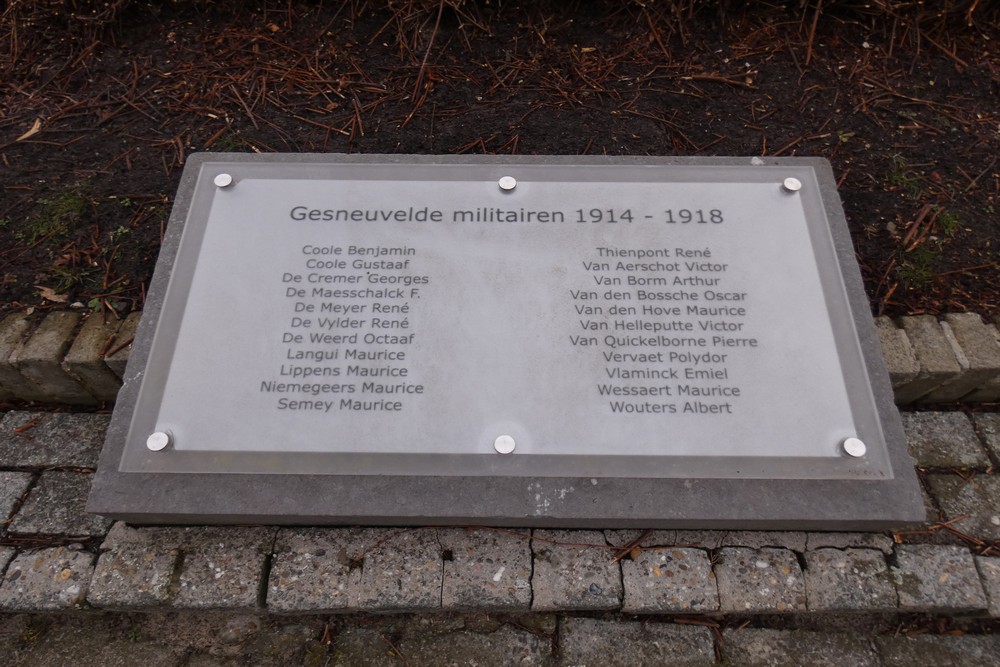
509,501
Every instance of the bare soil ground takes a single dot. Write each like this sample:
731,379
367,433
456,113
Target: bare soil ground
101,102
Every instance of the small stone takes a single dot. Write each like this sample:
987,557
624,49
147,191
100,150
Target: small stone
977,499
591,641
937,579
848,580
669,579
943,440
56,507
574,577
759,580
753,647
36,580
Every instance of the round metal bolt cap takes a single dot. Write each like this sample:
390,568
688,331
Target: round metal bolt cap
158,441
792,184
854,447
504,444
223,180
507,183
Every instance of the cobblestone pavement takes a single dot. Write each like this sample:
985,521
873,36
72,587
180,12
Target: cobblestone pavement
78,589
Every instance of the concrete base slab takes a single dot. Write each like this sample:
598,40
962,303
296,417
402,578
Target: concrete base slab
871,498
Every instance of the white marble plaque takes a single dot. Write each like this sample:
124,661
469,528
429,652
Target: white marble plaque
580,320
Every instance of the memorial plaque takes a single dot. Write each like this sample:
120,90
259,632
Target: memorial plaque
518,341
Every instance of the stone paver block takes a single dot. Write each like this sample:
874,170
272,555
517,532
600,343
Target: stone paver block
989,575
898,353
486,570
316,569
574,577
40,439
402,571
56,506
979,349
940,579
590,641
938,364
14,329
223,568
669,579
989,426
40,360
953,651
977,497
117,360
849,580
424,642
753,647
46,580
759,580
12,487
135,568
878,541
85,359
943,440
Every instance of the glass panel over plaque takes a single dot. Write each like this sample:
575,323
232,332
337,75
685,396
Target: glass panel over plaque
592,321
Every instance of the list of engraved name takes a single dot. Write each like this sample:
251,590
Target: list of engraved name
666,323
663,330
348,340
